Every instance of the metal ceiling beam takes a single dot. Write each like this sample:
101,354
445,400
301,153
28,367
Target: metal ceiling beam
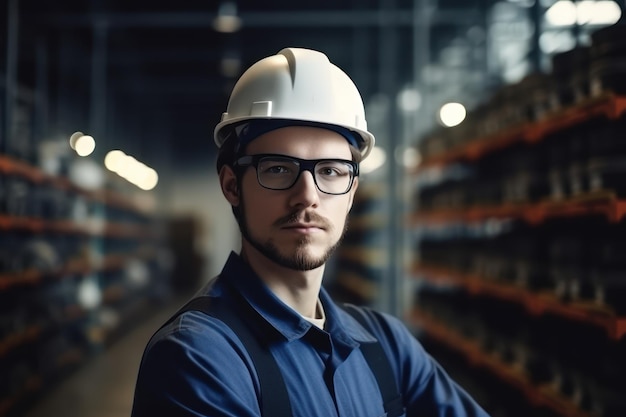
278,19
167,55
169,86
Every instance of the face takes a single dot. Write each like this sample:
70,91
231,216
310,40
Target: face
298,228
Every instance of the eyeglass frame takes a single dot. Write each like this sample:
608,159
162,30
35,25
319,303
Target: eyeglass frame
303,165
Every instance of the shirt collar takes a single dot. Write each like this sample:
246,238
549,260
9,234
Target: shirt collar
291,325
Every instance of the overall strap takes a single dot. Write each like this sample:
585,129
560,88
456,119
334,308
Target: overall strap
274,397
380,366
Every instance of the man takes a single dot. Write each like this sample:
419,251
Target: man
290,144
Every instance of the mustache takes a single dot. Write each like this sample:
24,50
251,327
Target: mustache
303,217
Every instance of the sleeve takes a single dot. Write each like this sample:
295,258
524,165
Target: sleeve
196,367
425,386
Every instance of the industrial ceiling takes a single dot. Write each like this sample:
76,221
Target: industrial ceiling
152,77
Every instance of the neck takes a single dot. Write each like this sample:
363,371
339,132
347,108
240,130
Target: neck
298,289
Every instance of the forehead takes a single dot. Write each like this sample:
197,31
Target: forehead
303,142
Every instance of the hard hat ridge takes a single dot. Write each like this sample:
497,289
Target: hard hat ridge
297,85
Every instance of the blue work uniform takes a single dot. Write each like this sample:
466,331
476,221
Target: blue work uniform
197,366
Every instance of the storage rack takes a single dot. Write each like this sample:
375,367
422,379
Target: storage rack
48,254
361,258
464,257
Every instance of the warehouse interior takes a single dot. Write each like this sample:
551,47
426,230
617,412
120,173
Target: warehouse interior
489,217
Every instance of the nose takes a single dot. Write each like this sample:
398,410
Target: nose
304,192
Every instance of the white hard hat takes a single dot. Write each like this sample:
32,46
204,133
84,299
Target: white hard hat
297,85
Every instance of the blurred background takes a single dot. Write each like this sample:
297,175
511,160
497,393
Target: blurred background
490,216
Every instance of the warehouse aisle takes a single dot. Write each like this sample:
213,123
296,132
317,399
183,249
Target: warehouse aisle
104,386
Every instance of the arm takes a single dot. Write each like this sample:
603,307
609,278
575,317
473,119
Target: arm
427,389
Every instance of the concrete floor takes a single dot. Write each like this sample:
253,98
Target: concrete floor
104,386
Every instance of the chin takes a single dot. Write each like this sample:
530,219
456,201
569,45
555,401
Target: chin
300,258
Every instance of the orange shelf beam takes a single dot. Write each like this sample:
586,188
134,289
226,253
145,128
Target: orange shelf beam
11,166
13,341
542,396
534,303
31,386
72,267
597,203
609,105
109,229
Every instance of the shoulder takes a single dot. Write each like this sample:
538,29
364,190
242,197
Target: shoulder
195,360
194,344
192,330
196,335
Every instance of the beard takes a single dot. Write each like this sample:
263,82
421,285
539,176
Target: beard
300,259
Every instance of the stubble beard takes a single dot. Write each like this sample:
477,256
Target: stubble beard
300,259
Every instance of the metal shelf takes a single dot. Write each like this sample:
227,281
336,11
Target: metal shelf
534,303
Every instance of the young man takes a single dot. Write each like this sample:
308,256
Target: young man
264,338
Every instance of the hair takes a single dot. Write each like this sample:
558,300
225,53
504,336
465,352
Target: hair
228,152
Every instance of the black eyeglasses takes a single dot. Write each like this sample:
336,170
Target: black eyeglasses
280,172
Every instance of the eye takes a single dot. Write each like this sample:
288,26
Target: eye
277,167
333,169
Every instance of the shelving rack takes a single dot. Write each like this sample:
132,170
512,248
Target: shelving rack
69,284
465,254
362,256
541,396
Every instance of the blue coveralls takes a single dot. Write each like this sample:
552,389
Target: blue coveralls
196,365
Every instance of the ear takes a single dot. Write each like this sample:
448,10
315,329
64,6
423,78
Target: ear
228,182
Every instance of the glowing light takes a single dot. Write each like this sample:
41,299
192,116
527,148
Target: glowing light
114,160
586,12
410,158
149,179
375,160
562,13
556,41
89,293
132,170
598,12
227,20
84,145
409,100
74,138
452,114
86,173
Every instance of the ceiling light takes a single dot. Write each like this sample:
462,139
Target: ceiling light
375,160
452,114
84,145
74,138
227,20
586,12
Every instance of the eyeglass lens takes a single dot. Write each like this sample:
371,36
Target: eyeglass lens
332,177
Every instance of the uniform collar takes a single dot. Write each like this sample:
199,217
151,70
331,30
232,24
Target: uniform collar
286,321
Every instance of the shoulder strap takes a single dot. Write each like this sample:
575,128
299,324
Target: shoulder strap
380,366
270,377
274,397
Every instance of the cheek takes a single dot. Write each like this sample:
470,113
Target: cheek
338,214
259,207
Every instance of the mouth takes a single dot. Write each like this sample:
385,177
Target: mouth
304,227
302,222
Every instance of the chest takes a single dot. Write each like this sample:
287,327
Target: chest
323,382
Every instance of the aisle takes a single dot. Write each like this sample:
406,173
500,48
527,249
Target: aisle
104,386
